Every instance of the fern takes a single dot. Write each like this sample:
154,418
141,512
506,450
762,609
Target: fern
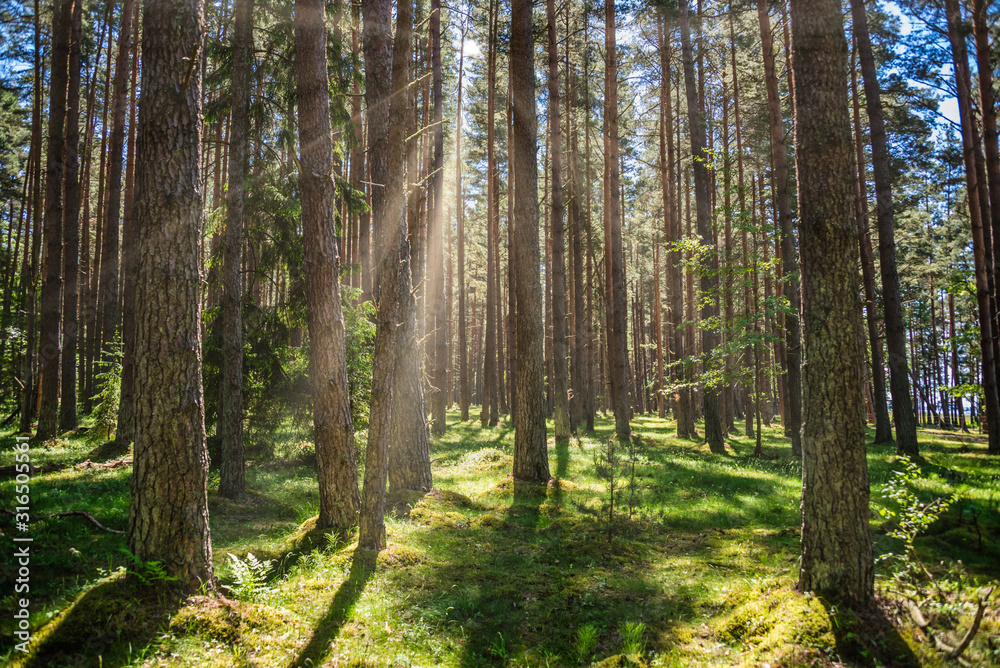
249,578
106,412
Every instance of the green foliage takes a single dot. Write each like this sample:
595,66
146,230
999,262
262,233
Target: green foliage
632,634
249,578
148,573
911,518
105,415
586,640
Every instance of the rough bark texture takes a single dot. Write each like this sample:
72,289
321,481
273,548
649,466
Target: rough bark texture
71,230
883,425
386,78
973,183
615,264
232,475
789,261
334,431
713,420
531,461
463,336
168,513
560,380
837,558
51,301
436,236
895,332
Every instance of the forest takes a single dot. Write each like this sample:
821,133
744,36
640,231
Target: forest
499,333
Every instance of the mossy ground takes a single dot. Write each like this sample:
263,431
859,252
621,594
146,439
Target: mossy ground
484,571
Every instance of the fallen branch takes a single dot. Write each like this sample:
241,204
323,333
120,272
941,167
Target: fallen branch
971,633
68,513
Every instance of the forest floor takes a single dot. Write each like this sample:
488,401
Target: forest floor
697,567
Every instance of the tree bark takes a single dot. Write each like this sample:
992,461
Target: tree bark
837,559
463,335
168,512
71,229
334,430
531,462
51,302
436,237
489,414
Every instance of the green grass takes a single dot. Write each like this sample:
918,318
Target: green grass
485,572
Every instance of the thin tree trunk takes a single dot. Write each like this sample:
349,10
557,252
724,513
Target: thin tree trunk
790,265
906,428
713,422
488,415
232,481
963,78
615,264
883,426
436,237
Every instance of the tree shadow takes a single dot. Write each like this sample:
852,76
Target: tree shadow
105,626
327,629
861,634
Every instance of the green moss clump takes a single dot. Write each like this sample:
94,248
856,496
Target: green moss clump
209,618
109,450
401,501
620,661
436,519
399,555
446,497
490,522
308,537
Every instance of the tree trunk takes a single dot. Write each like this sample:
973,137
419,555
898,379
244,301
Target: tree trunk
895,334
790,265
713,422
963,78
51,301
168,511
615,264
837,559
436,238
883,426
334,431
489,414
386,81
531,462
560,379
463,336
232,479
71,229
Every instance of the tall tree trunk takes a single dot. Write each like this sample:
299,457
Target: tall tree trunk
232,480
386,81
790,264
883,426
168,510
956,380
436,238
463,336
615,265
489,414
71,228
334,430
560,379
713,422
837,558
531,461
963,79
51,302
112,217
895,333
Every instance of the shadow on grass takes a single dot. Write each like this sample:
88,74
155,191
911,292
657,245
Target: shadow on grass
327,629
869,634
107,625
